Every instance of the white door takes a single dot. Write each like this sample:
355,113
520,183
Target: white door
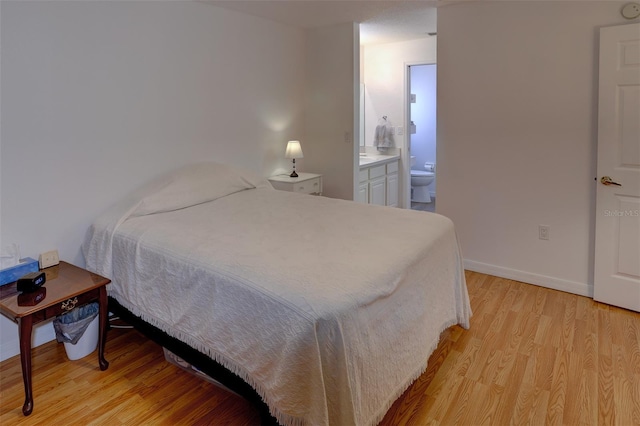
617,244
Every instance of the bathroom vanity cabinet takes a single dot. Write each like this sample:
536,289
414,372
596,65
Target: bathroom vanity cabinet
378,184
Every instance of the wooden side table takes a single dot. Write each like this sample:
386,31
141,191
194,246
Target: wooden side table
67,286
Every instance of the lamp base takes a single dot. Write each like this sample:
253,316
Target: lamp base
293,174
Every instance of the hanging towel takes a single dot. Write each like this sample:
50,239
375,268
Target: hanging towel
383,137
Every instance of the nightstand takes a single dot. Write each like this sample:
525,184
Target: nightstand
305,183
67,286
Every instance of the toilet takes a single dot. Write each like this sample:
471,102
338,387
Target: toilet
420,181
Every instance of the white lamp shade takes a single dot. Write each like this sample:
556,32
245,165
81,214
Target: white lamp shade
294,150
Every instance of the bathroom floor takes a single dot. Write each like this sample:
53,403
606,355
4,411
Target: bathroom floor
425,207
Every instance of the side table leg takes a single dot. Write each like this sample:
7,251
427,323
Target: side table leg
25,325
102,333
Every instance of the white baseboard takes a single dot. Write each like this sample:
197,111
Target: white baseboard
574,287
42,333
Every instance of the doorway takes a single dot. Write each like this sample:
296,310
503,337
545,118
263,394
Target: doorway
421,136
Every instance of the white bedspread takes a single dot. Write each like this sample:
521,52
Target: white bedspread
328,308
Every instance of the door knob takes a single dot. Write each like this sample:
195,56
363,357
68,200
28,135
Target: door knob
606,180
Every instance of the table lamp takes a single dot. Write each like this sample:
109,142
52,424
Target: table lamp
294,150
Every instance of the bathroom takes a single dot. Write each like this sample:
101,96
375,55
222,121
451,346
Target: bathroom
390,73
423,136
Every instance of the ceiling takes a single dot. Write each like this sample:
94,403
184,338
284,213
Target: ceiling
380,21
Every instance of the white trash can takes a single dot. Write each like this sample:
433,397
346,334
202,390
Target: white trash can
86,344
78,329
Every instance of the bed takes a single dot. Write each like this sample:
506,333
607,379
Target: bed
327,308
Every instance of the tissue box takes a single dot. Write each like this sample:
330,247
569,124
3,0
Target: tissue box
12,273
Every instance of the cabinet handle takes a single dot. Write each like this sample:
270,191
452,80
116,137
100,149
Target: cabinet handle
70,304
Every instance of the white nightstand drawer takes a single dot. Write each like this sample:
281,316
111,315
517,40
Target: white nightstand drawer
305,183
308,186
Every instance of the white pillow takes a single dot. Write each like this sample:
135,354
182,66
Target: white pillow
196,184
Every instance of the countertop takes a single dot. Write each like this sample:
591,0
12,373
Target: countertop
368,160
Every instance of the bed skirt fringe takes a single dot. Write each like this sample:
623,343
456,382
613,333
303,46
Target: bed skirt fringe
283,419
398,393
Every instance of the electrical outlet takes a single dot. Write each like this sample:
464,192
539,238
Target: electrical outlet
49,258
543,232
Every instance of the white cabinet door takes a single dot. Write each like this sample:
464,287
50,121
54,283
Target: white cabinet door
392,190
377,191
379,185
363,193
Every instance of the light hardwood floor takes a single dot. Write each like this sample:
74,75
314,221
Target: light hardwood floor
532,356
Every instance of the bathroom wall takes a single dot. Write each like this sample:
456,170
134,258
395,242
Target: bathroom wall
384,79
423,114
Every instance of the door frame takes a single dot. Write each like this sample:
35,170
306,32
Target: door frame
405,154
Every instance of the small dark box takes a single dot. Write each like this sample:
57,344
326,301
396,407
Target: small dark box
31,282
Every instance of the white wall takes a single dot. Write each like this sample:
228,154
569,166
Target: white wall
384,79
99,97
517,134
331,105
